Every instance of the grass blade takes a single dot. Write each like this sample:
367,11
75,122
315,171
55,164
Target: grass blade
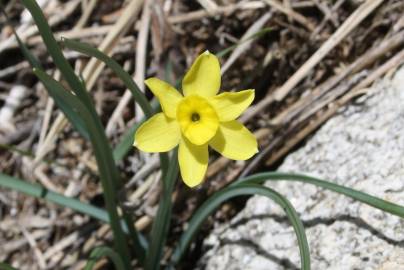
109,174
70,111
126,142
241,190
70,114
104,251
4,266
363,197
163,217
38,191
54,50
126,79
119,71
27,54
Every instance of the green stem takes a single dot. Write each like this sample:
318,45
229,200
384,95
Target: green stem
221,196
100,252
162,220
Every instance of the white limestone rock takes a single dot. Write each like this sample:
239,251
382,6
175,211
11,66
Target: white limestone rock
362,148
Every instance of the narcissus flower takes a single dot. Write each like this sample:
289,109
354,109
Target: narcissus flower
197,120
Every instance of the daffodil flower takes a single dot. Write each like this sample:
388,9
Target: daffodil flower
197,120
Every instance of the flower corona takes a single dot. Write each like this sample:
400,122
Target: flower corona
197,120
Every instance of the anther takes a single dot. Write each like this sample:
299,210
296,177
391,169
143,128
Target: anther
195,117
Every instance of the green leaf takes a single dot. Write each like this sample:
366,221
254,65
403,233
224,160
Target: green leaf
109,174
126,142
38,191
56,53
162,220
241,190
104,251
119,71
129,83
27,54
67,103
73,117
383,205
4,266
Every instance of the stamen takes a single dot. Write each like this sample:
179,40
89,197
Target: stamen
195,117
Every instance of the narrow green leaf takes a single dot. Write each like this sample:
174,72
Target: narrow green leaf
33,61
363,197
38,191
27,54
104,251
56,53
119,71
109,174
126,142
126,79
65,102
4,266
73,117
241,190
162,220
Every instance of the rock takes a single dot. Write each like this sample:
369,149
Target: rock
363,148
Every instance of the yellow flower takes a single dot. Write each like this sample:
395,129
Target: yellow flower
198,119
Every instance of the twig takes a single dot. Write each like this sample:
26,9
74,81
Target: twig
364,60
141,53
360,14
254,28
290,13
209,5
151,165
226,10
334,8
48,113
32,242
393,63
354,19
86,14
27,32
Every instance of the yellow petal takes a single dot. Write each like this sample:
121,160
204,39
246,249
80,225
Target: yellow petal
197,118
158,134
193,161
230,105
167,95
203,78
234,141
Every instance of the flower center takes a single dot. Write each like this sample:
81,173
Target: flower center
197,118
